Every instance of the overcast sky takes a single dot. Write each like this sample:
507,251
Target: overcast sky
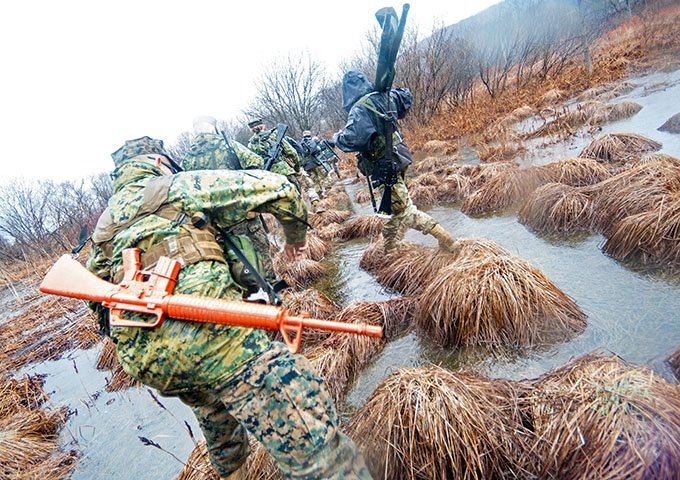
80,77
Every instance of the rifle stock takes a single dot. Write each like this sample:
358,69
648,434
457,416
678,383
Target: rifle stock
151,293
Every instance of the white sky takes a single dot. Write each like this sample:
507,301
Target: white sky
80,77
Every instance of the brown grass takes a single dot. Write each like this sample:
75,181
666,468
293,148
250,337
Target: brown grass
432,164
577,171
337,200
362,195
650,238
430,423
423,195
635,190
108,360
317,247
557,208
619,147
440,147
596,418
362,226
46,330
454,188
328,217
329,232
496,301
29,446
505,190
197,466
674,361
298,273
317,305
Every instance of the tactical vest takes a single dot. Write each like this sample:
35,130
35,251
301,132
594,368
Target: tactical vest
367,161
189,246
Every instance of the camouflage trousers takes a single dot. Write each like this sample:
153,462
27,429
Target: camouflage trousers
280,401
405,214
254,230
321,180
302,180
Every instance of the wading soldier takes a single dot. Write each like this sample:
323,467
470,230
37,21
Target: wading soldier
235,379
311,162
288,161
364,133
212,150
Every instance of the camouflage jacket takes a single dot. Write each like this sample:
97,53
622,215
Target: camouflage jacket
182,355
288,162
209,152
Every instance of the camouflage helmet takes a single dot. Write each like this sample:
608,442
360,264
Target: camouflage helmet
141,146
306,134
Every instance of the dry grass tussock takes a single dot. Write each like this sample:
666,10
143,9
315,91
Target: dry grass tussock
317,305
637,189
362,195
619,147
505,189
431,423
433,165
317,247
29,446
336,201
298,273
650,238
328,232
558,208
496,301
413,267
598,418
674,361
328,217
510,187
340,357
454,188
45,330
362,226
440,147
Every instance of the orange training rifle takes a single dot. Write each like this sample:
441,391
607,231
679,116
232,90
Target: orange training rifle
150,292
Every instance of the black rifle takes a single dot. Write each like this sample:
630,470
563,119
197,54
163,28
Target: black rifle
275,150
334,164
232,153
392,33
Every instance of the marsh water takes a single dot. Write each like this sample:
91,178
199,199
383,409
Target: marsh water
631,313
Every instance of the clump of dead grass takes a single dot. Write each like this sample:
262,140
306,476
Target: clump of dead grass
651,238
440,147
362,226
317,247
557,208
599,418
619,147
496,301
431,423
328,217
337,200
298,273
454,187
316,304
362,195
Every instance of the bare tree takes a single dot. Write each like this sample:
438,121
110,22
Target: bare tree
289,92
180,148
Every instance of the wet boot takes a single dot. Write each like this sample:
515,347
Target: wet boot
446,242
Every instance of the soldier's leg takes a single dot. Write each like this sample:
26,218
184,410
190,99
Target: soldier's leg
225,437
284,404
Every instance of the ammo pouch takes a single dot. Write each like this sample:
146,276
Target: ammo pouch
239,272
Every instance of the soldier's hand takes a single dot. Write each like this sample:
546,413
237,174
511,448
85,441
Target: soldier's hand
294,250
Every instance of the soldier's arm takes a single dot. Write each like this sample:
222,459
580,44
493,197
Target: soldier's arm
290,154
98,262
228,196
356,135
246,157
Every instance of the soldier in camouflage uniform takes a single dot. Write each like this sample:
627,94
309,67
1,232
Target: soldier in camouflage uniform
311,163
287,164
365,133
209,151
235,379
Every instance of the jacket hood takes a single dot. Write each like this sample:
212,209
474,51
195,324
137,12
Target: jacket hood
354,86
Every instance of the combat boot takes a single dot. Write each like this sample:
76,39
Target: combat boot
446,241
